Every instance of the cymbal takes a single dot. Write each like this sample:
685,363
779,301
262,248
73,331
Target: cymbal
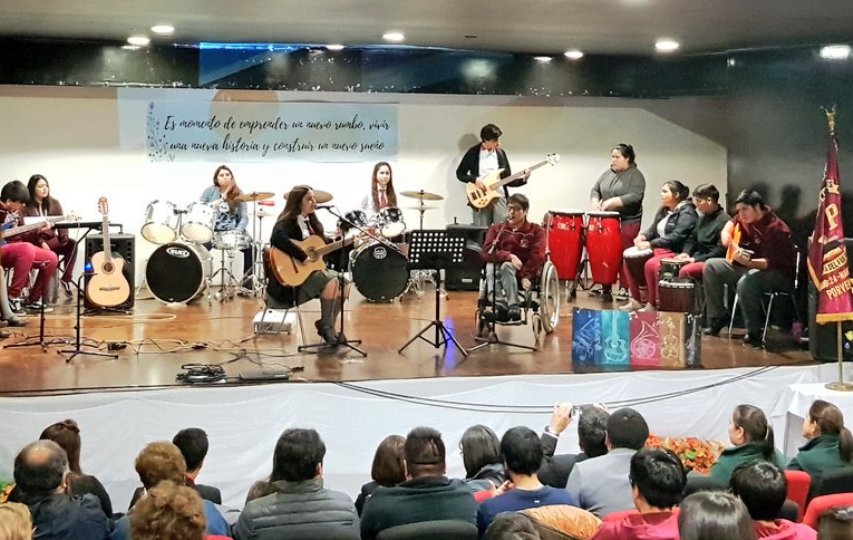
421,207
321,197
255,196
422,195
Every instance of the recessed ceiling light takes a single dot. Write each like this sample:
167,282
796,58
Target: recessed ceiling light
140,41
543,59
573,54
393,36
835,52
131,47
334,47
666,45
163,29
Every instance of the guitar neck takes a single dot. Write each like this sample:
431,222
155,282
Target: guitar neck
328,248
21,229
516,176
105,232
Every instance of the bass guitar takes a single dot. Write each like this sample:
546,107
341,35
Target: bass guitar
482,198
293,272
107,287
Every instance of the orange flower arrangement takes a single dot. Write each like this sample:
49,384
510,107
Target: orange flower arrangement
695,454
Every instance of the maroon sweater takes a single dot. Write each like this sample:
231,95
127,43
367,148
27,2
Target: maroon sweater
526,242
769,238
53,238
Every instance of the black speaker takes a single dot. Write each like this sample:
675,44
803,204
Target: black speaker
122,245
823,338
467,276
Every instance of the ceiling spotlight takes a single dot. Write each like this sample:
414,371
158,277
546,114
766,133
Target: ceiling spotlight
334,47
163,29
573,54
139,41
543,59
835,52
666,45
393,36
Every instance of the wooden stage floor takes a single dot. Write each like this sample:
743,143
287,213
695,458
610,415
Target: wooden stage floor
160,339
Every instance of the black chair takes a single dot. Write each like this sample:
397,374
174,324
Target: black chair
699,482
789,511
838,481
448,529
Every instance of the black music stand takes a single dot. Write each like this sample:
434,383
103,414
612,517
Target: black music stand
78,341
436,250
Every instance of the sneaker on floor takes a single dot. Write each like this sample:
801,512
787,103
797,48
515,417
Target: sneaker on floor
632,305
622,294
16,306
37,306
513,312
66,288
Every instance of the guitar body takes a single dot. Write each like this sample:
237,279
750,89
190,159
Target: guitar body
107,287
482,198
289,271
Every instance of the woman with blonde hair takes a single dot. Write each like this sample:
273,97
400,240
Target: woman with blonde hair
16,523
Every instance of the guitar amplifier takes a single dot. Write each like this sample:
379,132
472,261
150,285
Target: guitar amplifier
122,245
466,277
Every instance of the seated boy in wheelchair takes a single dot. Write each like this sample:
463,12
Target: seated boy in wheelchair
515,250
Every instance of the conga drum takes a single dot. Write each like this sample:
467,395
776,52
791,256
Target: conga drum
604,246
678,295
669,269
565,239
635,261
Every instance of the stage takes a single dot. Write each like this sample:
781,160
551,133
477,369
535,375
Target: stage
157,339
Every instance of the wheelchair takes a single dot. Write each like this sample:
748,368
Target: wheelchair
540,308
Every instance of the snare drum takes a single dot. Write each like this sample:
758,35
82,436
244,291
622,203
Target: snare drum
391,222
669,269
635,260
197,225
231,240
604,246
161,222
678,295
378,271
565,240
178,272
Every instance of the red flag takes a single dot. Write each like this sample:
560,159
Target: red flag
828,254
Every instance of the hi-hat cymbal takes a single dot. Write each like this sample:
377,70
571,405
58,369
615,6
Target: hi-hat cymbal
422,195
255,196
421,207
321,197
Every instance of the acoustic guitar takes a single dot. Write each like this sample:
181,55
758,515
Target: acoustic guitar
107,287
292,272
21,229
482,198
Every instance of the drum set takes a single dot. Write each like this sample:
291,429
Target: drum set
181,268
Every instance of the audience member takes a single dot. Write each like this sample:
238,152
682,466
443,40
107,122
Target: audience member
158,462
752,437
763,488
522,454
511,526
600,484
426,495
193,444
592,433
714,515
830,445
299,506
40,483
15,522
170,512
481,455
67,435
657,482
387,470
836,524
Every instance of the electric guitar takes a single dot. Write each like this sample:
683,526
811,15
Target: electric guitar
21,229
481,198
108,287
292,272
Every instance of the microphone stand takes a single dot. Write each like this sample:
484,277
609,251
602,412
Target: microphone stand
350,343
41,342
78,341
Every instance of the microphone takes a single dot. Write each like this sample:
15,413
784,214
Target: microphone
325,206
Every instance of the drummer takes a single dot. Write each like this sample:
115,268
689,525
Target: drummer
621,189
704,243
673,225
231,213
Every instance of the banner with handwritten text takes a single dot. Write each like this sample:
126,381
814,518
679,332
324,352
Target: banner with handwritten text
254,132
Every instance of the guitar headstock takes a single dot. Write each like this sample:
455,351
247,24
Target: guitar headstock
103,206
71,217
553,159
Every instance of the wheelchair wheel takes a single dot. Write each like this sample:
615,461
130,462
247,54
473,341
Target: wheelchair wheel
549,291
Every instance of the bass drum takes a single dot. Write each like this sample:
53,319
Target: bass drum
379,272
178,272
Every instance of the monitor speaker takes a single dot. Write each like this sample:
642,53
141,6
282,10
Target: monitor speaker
466,277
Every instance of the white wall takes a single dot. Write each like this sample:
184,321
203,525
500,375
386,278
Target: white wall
71,136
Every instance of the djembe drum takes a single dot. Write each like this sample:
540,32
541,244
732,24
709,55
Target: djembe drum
677,295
